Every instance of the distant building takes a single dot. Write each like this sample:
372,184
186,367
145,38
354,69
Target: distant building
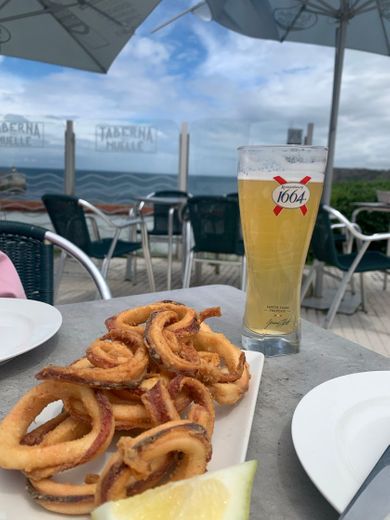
294,136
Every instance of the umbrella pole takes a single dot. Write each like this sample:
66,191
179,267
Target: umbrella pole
69,177
341,34
319,299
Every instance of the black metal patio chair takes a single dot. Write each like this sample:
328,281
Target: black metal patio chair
215,225
68,217
161,212
324,250
30,248
164,215
160,215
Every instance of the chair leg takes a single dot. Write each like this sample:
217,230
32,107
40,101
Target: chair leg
59,273
363,293
387,271
217,267
147,257
308,280
243,273
186,247
105,266
188,269
129,273
336,301
319,280
170,246
177,249
341,290
198,271
132,274
352,283
107,258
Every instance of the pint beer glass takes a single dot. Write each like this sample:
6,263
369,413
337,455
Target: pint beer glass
279,190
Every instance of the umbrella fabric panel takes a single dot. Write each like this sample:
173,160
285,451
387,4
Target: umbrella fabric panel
367,31
249,17
86,35
287,20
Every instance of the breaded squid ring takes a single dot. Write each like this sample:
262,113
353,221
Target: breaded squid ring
65,498
186,322
163,345
133,463
56,457
59,429
230,393
118,359
37,435
128,406
129,414
159,404
202,409
232,359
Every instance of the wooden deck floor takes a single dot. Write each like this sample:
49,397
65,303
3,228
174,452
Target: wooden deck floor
370,329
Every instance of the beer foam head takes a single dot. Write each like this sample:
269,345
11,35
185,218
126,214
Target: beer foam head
290,162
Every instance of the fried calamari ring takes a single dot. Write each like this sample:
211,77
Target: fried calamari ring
187,322
202,409
129,413
116,360
65,498
56,457
232,359
160,405
59,429
128,406
68,430
207,355
163,344
133,464
230,393
210,312
186,319
37,435
148,407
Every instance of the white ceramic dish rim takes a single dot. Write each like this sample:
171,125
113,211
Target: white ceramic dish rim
340,429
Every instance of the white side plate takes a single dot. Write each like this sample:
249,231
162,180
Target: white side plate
230,443
24,325
340,429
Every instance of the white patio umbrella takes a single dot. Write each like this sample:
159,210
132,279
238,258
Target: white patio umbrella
84,34
356,24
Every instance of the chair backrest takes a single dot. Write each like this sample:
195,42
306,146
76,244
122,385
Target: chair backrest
233,195
68,219
215,224
322,242
32,257
160,213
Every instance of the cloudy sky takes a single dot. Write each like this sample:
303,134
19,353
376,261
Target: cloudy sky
244,90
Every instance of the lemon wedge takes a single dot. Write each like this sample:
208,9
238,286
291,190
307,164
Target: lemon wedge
220,495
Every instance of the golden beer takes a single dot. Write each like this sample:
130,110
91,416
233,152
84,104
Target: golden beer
278,212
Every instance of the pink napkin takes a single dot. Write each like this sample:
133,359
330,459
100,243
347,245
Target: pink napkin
10,284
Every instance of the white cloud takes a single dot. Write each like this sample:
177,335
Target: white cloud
268,84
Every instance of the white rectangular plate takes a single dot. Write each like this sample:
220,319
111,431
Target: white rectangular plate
230,443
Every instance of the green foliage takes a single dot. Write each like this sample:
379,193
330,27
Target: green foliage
344,194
